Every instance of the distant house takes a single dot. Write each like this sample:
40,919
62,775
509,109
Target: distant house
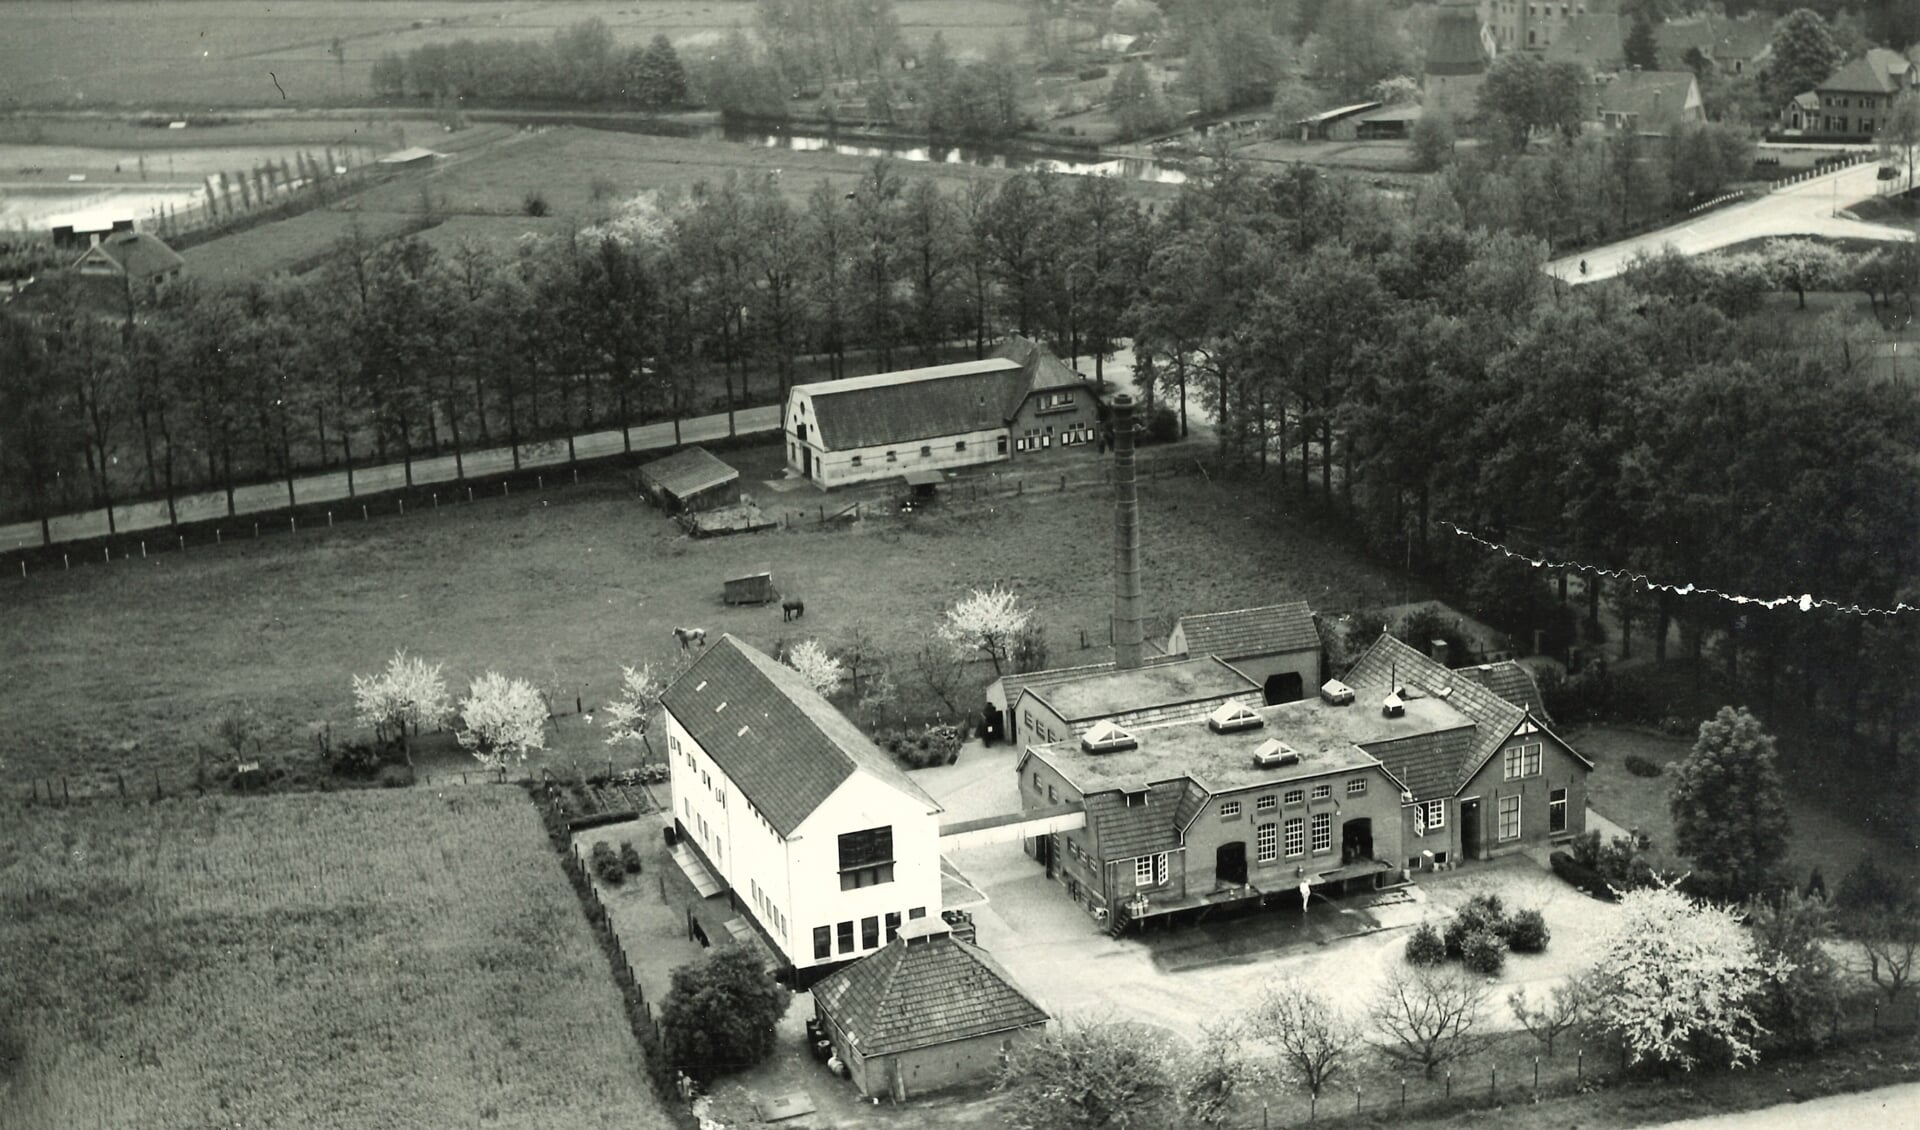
1050,711
824,843
1730,46
925,1013
1458,52
1021,400
1594,40
1855,100
1384,124
690,479
1401,765
1649,101
1276,646
110,277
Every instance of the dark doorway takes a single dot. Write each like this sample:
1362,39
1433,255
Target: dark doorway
1284,687
1356,840
806,462
1230,864
1043,851
1470,828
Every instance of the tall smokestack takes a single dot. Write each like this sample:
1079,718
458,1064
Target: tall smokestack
1127,638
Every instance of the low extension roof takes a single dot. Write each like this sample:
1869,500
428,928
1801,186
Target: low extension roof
688,472
1012,685
923,989
1104,694
784,747
1269,630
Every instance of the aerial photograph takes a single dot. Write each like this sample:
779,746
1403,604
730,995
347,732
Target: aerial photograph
907,564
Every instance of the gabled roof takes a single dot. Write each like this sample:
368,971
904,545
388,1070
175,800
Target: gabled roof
784,747
923,989
1042,369
137,254
688,472
1647,95
1493,717
1512,682
1595,40
1879,71
1456,46
1142,829
1268,630
914,404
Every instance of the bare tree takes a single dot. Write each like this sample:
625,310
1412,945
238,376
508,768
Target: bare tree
1209,1078
1428,1017
1563,1008
1314,1038
940,667
1890,939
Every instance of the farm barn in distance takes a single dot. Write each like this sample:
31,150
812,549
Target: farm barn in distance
1022,399
690,479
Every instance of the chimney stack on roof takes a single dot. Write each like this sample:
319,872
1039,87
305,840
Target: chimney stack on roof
1128,639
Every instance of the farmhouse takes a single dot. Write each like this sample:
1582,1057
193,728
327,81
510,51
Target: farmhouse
1049,710
1404,765
107,278
690,479
1020,400
1277,646
817,835
928,1011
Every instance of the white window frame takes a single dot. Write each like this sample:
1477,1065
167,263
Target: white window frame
1322,791
1229,810
1501,814
1266,840
1435,814
1266,803
1510,764
1322,832
1357,786
1561,804
1143,871
1532,755
1160,868
1296,796
1296,830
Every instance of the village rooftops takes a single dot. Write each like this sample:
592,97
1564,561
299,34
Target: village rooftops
1108,693
1879,71
1327,739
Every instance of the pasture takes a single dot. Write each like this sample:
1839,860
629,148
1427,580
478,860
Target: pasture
380,959
231,53
123,669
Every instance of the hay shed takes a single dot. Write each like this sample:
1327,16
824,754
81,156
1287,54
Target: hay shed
690,479
752,586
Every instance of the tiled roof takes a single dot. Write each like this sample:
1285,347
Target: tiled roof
1042,369
1246,632
920,992
1648,95
688,472
1594,40
1512,682
1125,832
914,404
1493,717
1192,799
141,255
784,747
1427,764
1456,47
1879,71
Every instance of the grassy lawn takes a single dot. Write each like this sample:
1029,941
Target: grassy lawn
380,959
217,53
284,244
123,668
1827,830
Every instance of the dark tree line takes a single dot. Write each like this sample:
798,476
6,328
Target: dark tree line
580,63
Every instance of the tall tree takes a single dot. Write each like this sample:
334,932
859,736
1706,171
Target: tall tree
1640,48
1729,807
1804,54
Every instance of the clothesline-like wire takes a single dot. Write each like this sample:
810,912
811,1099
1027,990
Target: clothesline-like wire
1805,602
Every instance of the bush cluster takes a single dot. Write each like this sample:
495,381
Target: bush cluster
606,864
1482,951
1580,876
1425,946
1641,767
629,857
1527,932
1480,936
938,744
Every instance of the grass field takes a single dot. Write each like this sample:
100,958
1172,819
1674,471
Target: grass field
254,254
384,959
218,53
123,668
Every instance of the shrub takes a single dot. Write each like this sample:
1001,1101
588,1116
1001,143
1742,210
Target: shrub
1483,952
1483,914
1641,767
1527,932
535,204
1425,946
394,776
605,863
1163,424
1580,875
1678,727
629,858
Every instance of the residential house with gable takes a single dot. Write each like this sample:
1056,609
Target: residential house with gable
1856,100
1022,400
1649,102
1729,46
825,844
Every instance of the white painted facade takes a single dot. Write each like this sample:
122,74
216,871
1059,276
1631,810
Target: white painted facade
791,885
885,461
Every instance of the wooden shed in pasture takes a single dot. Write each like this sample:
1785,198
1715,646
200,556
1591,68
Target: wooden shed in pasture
751,586
692,478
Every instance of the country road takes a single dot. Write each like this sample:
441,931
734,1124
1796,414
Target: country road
1803,209
1891,1108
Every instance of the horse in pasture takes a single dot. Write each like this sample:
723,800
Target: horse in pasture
792,609
687,637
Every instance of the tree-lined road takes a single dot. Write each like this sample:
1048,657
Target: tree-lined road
1803,209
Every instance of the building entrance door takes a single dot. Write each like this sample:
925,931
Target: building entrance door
1284,687
1470,828
1230,864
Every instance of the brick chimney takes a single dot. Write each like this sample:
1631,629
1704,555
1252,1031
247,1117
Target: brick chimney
1128,640
1440,651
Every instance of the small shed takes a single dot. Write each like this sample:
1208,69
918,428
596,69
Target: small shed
690,479
921,485
754,586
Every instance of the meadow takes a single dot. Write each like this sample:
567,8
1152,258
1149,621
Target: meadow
229,53
406,958
123,669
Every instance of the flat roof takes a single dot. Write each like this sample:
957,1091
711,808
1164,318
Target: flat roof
1103,694
1326,737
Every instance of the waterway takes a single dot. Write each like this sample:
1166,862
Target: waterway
1087,164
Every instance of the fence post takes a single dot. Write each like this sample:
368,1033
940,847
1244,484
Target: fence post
1356,1100
1536,1073
1403,1094
1579,1064
1493,1082
363,512
403,507
1449,1082
143,550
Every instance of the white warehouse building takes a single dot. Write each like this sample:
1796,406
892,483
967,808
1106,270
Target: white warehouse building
826,844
